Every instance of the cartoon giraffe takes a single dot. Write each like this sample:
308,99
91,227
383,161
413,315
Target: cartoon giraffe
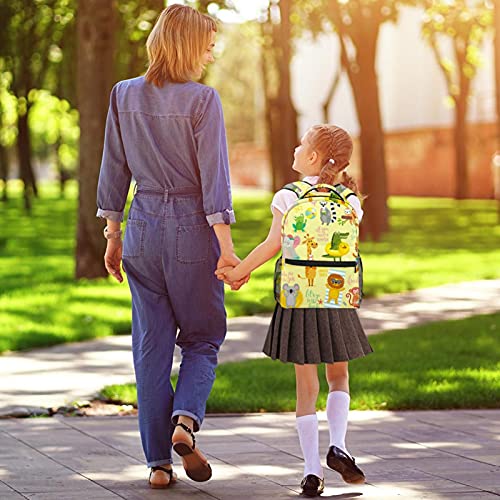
311,245
310,270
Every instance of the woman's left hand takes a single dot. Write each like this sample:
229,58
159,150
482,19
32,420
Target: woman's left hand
113,258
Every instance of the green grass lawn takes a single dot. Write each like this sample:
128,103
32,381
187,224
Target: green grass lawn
432,242
448,364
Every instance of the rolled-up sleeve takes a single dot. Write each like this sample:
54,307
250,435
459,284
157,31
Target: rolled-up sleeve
210,135
115,176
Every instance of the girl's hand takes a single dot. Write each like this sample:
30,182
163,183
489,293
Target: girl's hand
236,285
113,258
227,274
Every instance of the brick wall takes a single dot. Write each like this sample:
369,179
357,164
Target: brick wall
419,162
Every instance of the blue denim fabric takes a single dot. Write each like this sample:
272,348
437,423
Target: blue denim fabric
169,254
165,137
172,141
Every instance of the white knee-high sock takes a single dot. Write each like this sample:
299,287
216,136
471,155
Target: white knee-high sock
337,413
307,428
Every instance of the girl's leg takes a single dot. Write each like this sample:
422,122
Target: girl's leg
337,405
307,385
337,411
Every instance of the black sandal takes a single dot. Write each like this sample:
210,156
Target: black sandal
195,463
162,486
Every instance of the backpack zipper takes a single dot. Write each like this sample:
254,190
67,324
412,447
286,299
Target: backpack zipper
320,263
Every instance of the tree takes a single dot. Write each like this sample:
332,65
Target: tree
29,51
8,119
280,113
136,19
464,24
496,28
496,158
357,24
96,28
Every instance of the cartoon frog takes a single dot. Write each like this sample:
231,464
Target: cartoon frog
300,223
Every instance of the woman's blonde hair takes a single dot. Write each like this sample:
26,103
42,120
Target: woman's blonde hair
177,43
334,147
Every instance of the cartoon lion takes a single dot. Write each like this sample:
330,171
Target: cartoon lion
335,283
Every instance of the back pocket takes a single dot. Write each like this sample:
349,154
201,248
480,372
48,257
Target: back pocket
193,243
133,244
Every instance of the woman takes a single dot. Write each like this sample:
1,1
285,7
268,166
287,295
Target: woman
167,131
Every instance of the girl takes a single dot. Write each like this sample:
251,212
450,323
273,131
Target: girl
296,334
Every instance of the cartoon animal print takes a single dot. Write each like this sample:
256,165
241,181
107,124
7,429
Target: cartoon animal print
353,296
337,248
310,275
311,245
327,213
291,294
335,284
300,223
348,216
289,245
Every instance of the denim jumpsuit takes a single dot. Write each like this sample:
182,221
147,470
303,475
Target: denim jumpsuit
172,141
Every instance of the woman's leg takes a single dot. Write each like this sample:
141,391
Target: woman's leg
337,405
153,342
307,385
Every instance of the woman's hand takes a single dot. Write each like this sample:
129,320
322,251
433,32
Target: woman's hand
113,258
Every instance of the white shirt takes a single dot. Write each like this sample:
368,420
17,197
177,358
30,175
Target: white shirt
285,198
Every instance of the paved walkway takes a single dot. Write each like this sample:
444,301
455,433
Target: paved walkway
405,455
58,375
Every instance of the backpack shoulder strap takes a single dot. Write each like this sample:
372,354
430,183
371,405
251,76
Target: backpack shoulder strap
344,191
299,187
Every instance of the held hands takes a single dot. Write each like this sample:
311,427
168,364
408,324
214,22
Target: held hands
225,271
113,258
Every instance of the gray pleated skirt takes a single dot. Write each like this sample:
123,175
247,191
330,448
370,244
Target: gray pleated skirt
313,336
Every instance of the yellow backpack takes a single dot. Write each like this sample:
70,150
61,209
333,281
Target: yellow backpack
320,266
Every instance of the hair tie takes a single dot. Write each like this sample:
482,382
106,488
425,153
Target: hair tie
332,161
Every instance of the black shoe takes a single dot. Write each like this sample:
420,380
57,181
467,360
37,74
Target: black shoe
346,466
312,486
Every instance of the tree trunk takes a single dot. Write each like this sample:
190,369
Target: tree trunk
460,132
281,116
4,171
96,33
287,119
331,92
363,78
460,140
496,29
24,155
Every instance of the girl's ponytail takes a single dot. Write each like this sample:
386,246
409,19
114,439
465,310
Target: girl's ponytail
334,145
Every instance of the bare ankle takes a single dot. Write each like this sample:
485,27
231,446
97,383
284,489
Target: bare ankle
188,421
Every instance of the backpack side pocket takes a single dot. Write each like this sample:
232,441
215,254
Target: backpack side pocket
277,279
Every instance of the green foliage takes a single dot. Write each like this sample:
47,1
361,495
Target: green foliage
8,110
448,364
53,124
353,17
33,35
464,25
433,241
136,19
